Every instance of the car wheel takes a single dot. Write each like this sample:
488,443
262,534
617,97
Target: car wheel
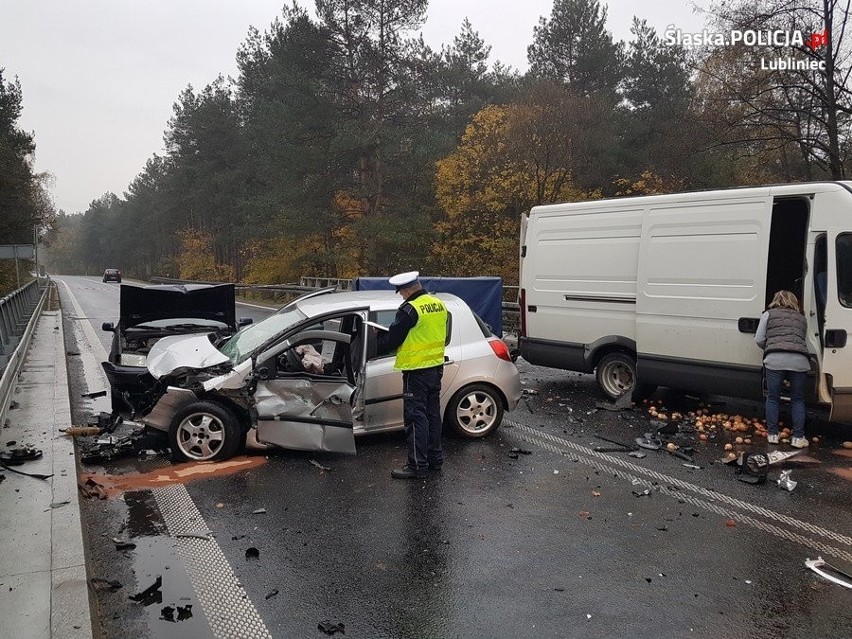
474,411
616,374
204,431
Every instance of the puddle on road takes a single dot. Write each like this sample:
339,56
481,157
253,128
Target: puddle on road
176,474
174,611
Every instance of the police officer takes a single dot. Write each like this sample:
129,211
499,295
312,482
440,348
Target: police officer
420,331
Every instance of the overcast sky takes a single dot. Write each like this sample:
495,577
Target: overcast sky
99,77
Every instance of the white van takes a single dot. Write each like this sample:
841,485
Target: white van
668,289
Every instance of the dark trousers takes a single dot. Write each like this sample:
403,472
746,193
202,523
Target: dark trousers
421,392
774,380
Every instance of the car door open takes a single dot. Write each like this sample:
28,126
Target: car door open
308,395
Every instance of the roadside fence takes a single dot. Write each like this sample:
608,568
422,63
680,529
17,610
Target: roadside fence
19,311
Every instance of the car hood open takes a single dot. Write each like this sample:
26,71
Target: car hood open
140,304
183,352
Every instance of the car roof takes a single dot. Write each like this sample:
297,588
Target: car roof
375,300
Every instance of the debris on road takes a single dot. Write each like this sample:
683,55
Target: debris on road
153,594
638,455
123,544
58,504
81,431
329,627
271,594
18,456
91,488
314,462
104,584
694,466
13,405
730,523
529,391
784,481
259,511
198,534
644,493
521,451
649,441
835,575
95,394
252,553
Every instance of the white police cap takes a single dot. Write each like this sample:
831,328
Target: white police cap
402,280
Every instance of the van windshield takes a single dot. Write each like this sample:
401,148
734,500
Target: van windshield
241,346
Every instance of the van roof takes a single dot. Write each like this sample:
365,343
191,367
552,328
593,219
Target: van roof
696,196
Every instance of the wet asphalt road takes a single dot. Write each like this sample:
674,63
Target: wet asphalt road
551,544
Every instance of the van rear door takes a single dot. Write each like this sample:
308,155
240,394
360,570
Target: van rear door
837,353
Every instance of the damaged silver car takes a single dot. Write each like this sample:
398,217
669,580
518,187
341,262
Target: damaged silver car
308,378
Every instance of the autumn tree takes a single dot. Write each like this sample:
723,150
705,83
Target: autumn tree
511,157
805,111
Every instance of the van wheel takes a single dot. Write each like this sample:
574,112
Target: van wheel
204,431
616,374
474,411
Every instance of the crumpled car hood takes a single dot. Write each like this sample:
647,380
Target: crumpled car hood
140,304
182,352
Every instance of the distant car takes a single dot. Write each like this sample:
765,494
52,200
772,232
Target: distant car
150,313
308,378
112,275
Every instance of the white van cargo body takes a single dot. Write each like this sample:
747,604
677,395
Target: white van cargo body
668,289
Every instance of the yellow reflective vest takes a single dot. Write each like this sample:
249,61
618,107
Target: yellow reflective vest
424,345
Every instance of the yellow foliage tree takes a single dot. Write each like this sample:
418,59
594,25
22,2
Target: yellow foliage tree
196,260
510,159
649,183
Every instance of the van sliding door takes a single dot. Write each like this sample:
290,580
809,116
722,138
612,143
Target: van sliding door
702,268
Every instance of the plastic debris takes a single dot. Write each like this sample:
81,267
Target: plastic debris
644,493
271,594
95,394
314,462
784,481
330,628
198,534
252,553
638,455
835,575
695,466
521,451
259,511
91,488
105,584
123,544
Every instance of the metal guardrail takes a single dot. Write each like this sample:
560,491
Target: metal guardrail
16,309
19,312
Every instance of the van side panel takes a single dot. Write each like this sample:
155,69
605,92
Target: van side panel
702,267
579,275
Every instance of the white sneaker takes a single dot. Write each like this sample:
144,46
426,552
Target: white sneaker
772,439
799,442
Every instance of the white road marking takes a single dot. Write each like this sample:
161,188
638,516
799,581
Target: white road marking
227,606
609,464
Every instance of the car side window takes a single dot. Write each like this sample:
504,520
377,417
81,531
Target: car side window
843,248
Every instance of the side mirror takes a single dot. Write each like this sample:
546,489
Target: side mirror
262,373
108,326
245,321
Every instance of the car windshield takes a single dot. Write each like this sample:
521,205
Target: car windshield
241,345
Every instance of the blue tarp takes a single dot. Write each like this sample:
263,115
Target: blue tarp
483,294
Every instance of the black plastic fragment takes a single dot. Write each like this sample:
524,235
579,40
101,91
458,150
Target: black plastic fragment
329,627
95,394
252,553
271,594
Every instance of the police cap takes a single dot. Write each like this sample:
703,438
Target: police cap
402,280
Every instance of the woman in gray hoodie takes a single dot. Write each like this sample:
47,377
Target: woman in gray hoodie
781,334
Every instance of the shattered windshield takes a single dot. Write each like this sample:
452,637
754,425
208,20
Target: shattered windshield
241,345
